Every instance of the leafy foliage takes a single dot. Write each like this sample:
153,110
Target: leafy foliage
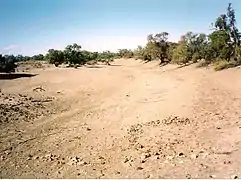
38,57
55,57
157,46
225,39
74,55
220,65
222,45
180,53
106,57
125,53
7,64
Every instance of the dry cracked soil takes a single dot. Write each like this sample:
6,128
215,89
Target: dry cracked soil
127,120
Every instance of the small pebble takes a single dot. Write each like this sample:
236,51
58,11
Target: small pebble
188,176
181,154
234,177
36,157
30,157
212,176
126,160
227,162
147,176
139,168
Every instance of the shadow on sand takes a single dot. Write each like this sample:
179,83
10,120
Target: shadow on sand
114,65
9,76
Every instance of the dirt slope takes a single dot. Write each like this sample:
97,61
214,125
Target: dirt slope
129,120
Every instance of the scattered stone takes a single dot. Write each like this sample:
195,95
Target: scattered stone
188,176
139,168
157,154
143,161
76,161
227,162
102,173
204,166
234,177
88,129
15,107
194,156
144,156
147,176
181,154
2,158
40,89
176,120
212,176
103,162
30,157
126,160
117,172
48,155
101,157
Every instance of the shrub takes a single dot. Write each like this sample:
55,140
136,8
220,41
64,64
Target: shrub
7,65
222,64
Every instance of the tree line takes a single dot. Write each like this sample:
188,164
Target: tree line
72,55
222,47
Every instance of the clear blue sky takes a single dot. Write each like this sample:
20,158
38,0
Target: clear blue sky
34,26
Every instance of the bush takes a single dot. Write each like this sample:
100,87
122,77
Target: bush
222,64
125,53
7,65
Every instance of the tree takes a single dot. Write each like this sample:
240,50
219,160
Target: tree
7,63
19,58
225,39
106,57
74,55
234,33
39,57
125,53
139,52
180,53
157,46
219,45
171,47
55,57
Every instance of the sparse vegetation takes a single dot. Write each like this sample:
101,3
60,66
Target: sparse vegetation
223,44
220,65
7,64
125,53
76,113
